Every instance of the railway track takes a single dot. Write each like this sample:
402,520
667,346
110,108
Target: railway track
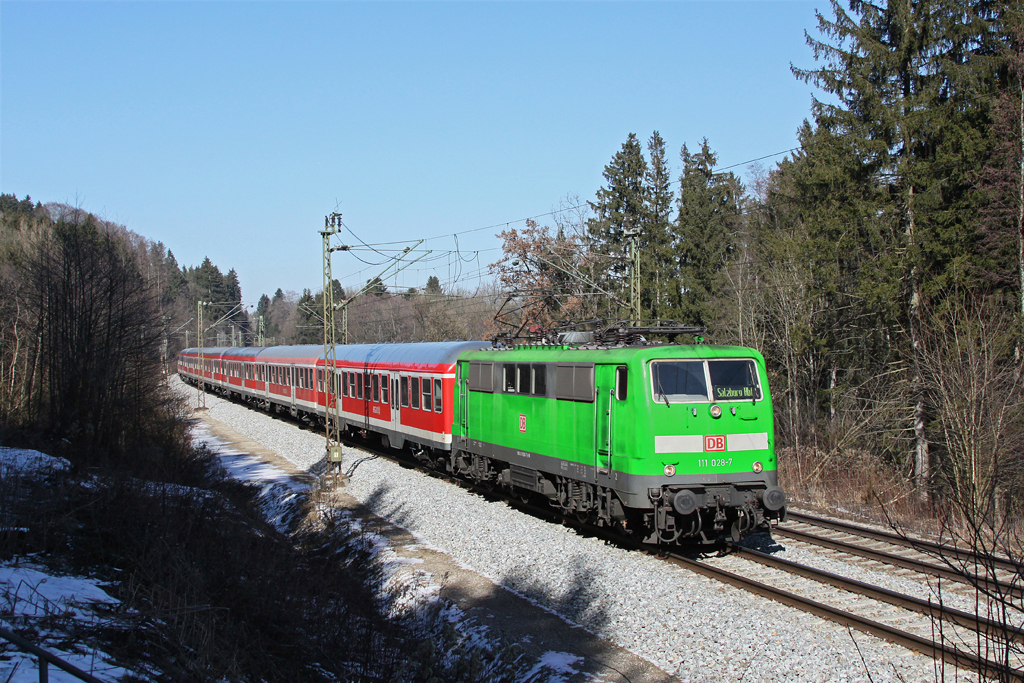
805,600
997,576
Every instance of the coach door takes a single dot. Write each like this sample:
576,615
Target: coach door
395,402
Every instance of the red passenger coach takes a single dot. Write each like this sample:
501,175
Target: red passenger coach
402,391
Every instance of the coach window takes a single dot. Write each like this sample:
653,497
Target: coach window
376,388
415,392
359,386
437,396
405,391
320,380
344,384
383,388
366,385
426,394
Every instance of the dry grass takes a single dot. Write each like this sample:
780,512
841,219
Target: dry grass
857,485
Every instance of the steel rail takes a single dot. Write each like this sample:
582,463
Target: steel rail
994,586
938,611
942,549
964,660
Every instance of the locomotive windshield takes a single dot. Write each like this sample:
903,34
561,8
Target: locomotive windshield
734,380
687,381
679,381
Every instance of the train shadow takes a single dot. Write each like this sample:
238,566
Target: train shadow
762,542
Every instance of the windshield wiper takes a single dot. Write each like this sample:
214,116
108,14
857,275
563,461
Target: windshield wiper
661,389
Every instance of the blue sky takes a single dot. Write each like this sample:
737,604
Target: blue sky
230,129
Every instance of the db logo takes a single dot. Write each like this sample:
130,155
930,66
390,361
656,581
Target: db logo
714,444
522,423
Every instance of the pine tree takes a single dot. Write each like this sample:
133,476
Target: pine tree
659,272
308,321
620,206
433,287
705,229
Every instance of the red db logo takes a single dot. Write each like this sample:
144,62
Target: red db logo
714,444
522,423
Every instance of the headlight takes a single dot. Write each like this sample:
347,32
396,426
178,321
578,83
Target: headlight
716,411
670,470
758,466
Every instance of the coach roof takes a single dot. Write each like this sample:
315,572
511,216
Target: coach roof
419,353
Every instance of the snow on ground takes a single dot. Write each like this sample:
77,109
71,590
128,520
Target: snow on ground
50,604
24,462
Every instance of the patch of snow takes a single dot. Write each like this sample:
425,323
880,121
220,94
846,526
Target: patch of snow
25,462
555,664
31,596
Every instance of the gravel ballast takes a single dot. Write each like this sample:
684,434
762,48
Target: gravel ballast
691,626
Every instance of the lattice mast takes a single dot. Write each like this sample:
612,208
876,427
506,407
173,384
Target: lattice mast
332,225
201,393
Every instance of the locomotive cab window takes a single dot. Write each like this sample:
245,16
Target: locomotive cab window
679,381
734,380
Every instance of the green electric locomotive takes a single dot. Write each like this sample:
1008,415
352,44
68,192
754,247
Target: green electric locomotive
674,443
